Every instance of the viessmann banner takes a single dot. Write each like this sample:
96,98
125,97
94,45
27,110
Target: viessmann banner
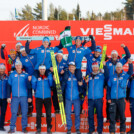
113,33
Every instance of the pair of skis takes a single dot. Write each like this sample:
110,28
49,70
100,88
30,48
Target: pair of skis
58,88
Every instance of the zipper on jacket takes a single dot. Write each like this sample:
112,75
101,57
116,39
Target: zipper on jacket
71,85
113,69
45,56
93,88
58,67
2,89
75,54
18,84
30,62
117,88
43,87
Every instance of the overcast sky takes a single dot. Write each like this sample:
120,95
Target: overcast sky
8,6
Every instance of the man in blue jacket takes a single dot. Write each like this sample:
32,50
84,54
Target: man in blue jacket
77,52
42,53
111,64
116,95
3,95
28,63
91,58
61,67
130,91
72,97
96,82
18,85
42,86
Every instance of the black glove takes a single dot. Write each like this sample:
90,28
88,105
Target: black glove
91,37
67,27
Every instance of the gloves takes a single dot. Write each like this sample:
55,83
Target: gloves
3,46
91,37
67,27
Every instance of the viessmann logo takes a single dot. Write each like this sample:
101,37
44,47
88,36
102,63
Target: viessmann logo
107,31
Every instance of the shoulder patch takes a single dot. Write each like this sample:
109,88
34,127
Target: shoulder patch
39,79
110,64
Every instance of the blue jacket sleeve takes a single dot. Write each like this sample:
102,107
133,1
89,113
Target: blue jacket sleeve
29,85
50,79
125,58
34,82
109,89
9,88
93,45
27,47
2,54
64,80
57,48
83,43
130,70
90,49
106,73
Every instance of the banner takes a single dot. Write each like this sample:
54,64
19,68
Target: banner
112,33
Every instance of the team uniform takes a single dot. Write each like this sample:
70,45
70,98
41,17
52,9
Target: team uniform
60,66
3,99
117,93
42,54
19,86
131,99
96,85
71,98
42,87
111,67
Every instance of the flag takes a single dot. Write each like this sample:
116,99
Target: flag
16,14
66,38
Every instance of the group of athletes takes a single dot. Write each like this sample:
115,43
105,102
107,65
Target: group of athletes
31,71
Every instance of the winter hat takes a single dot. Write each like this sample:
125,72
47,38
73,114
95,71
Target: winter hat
98,49
18,44
72,63
45,39
22,48
42,67
95,64
78,37
18,62
60,52
12,51
114,52
2,66
119,65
